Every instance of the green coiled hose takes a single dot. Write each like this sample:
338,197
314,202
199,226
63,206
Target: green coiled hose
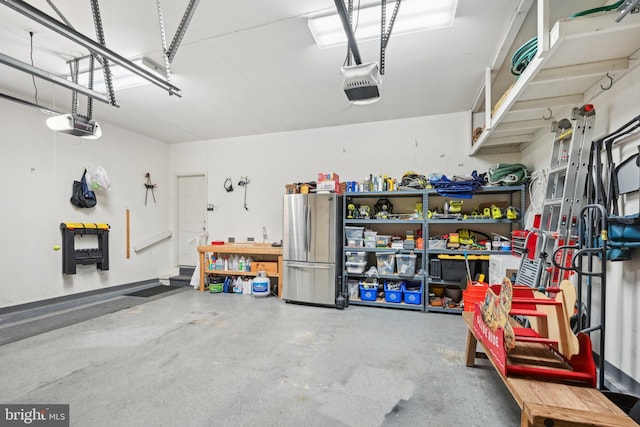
525,53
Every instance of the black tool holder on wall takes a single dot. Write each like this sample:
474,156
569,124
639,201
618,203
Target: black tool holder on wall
72,256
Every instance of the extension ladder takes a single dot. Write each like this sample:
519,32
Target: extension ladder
565,191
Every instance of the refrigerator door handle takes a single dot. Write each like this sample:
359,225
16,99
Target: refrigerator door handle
307,229
315,266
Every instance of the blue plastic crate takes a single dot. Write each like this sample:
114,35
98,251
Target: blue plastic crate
368,294
412,293
393,295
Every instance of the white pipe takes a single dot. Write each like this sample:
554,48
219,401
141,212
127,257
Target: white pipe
152,241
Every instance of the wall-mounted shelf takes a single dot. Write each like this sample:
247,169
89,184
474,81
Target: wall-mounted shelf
583,53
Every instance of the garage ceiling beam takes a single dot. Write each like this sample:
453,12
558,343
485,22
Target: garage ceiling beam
79,38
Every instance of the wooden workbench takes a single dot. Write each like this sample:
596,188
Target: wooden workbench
262,251
548,403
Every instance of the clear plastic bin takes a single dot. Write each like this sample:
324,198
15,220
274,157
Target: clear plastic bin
354,232
356,256
406,264
383,241
369,234
355,243
385,262
370,243
355,267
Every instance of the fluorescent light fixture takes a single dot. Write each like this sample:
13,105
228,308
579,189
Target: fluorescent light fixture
413,16
121,78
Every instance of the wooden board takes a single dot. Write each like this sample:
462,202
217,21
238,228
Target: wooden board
548,400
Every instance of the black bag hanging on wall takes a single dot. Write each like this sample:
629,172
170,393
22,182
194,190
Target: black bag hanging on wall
82,196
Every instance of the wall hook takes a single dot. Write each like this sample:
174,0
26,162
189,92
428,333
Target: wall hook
550,114
610,83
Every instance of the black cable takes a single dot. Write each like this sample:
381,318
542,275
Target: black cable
33,78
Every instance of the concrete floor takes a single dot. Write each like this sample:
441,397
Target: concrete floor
191,358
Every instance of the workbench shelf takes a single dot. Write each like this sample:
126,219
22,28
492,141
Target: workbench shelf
576,60
266,257
237,273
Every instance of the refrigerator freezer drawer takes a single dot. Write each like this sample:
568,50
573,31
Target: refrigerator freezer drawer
309,283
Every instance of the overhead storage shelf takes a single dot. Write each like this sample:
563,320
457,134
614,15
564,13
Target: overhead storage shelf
585,55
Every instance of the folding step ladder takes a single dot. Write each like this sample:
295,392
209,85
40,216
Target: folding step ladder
565,192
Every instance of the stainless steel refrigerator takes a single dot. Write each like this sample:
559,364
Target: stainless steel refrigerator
312,248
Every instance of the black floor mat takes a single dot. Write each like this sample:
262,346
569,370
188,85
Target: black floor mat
149,292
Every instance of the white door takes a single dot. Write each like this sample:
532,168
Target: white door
192,217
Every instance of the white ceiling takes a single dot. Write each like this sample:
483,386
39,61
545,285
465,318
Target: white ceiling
250,67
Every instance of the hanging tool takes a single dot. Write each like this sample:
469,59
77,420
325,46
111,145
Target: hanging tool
244,180
149,186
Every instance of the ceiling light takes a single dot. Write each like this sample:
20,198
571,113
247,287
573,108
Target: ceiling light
121,78
413,16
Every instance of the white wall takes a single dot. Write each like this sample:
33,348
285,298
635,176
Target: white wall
614,108
423,144
37,170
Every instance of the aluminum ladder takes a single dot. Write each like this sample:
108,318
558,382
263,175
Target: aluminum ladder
565,191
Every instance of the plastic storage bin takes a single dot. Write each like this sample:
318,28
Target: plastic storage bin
354,232
355,243
393,291
355,267
368,292
353,286
385,262
412,293
383,241
370,235
406,264
356,256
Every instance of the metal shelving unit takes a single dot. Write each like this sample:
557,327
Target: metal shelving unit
513,195
399,226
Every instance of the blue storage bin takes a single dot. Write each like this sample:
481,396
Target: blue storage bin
368,294
393,295
412,292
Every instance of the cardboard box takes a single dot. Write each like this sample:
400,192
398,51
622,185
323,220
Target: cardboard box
328,177
291,189
331,186
269,267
